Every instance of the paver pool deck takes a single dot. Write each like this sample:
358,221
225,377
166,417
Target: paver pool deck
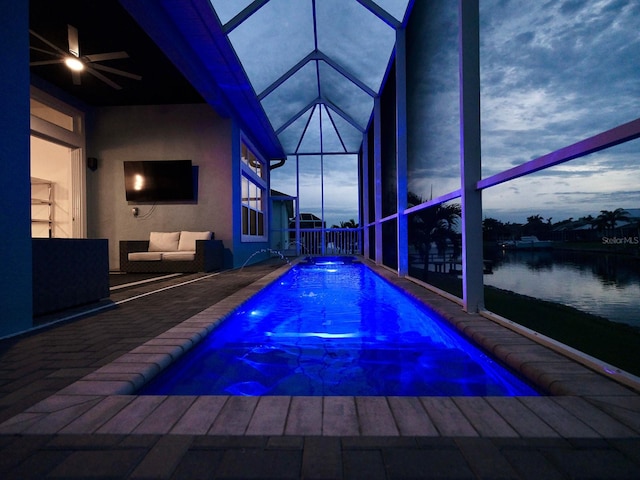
68,407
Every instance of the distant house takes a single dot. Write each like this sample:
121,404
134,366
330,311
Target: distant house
574,231
634,214
583,230
282,210
632,227
307,220
311,232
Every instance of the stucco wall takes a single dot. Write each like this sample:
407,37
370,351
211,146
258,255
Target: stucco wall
15,187
158,132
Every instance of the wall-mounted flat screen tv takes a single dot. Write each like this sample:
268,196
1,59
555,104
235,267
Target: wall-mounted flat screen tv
160,181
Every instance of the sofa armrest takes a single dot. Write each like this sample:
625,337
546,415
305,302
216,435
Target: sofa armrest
209,254
129,246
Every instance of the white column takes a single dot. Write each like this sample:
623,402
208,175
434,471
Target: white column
470,164
298,237
401,152
364,193
377,175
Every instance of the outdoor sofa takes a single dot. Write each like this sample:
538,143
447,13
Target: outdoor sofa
172,252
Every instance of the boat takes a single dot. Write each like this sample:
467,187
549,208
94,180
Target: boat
527,242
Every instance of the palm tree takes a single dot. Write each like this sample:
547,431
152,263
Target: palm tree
609,219
348,224
494,230
433,225
536,226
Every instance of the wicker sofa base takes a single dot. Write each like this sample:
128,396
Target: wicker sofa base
208,258
69,272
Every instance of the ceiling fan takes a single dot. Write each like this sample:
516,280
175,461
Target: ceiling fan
78,63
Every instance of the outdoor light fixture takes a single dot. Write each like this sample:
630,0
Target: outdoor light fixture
78,63
74,64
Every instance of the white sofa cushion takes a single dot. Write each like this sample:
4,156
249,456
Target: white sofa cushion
144,256
188,240
179,256
164,241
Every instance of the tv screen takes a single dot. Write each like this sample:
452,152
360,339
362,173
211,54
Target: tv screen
159,181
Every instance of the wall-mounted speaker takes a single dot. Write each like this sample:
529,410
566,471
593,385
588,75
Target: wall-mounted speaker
92,163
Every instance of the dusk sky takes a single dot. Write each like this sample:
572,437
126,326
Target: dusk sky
562,72
552,74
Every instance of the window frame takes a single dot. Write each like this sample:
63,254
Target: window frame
253,194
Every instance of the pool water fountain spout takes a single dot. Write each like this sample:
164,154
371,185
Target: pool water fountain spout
265,250
302,246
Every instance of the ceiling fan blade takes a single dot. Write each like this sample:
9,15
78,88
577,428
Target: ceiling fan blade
106,80
75,76
116,71
42,50
44,40
74,45
45,62
101,57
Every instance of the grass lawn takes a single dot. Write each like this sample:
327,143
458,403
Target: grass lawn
615,343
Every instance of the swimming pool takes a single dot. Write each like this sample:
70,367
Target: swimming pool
335,327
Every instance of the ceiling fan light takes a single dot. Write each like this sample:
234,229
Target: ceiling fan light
74,64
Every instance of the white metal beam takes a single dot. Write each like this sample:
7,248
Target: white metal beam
381,13
615,136
401,153
364,193
243,15
470,162
377,176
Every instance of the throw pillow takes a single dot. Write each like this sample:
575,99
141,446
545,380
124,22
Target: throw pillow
188,240
163,241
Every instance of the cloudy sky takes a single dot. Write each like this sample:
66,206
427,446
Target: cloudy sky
341,186
552,73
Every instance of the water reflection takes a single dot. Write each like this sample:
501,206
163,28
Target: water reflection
598,283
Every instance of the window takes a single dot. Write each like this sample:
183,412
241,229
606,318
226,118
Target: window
251,162
52,115
253,188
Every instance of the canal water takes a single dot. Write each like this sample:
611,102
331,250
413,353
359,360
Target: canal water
602,284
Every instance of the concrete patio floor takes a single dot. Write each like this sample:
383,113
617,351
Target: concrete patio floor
68,407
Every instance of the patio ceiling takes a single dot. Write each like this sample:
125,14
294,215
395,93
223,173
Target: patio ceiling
305,70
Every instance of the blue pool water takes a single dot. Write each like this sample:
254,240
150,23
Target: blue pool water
328,329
